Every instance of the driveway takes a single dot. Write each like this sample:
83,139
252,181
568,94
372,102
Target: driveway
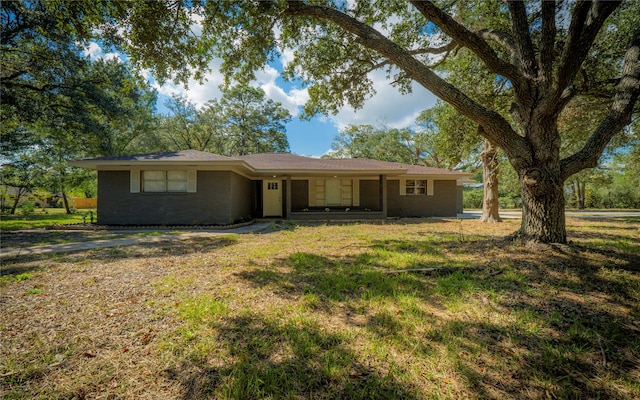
82,246
474,214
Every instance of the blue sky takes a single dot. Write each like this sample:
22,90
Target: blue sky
310,138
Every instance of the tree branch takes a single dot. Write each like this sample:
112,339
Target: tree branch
586,22
522,37
504,39
548,41
428,50
619,115
497,129
474,42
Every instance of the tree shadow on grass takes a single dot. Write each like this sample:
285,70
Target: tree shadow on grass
285,359
574,330
173,247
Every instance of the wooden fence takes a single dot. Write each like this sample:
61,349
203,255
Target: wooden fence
83,203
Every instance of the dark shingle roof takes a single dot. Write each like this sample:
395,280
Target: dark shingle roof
181,155
285,161
269,163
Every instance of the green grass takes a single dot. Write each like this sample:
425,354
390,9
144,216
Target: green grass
316,311
6,279
52,216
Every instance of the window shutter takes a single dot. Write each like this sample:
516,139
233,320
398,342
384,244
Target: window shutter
312,192
192,178
403,187
320,200
430,187
356,192
134,181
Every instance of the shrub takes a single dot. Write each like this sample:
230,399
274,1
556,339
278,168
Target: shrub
27,208
472,197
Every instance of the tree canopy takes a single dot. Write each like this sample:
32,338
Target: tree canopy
48,82
548,54
241,122
59,104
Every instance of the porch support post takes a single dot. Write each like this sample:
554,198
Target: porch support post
287,214
383,194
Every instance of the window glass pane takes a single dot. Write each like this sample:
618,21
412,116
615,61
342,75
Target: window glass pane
176,181
177,175
177,186
153,181
153,175
154,186
416,187
409,185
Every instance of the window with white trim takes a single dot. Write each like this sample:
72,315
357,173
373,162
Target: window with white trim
175,181
415,187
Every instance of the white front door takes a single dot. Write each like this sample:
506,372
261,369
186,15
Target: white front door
272,198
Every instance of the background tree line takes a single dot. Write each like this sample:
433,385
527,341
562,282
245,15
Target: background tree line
552,85
60,104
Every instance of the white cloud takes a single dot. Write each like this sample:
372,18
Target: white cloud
93,51
196,92
200,94
196,26
388,106
266,80
287,56
112,56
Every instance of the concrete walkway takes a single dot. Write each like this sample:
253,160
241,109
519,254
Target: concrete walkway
82,246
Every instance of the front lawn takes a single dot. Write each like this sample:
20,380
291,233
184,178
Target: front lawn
39,219
321,311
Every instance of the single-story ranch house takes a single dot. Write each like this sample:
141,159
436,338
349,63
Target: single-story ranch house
197,188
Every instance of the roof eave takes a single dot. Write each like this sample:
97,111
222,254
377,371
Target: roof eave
129,164
337,172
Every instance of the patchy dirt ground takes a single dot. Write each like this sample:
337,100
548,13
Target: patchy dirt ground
314,312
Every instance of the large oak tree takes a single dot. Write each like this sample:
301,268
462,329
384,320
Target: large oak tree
545,53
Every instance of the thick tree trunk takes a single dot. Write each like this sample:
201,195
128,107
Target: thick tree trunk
490,203
543,217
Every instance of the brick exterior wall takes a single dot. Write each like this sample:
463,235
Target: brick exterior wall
215,202
443,203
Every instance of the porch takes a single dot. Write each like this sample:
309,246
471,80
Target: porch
336,213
